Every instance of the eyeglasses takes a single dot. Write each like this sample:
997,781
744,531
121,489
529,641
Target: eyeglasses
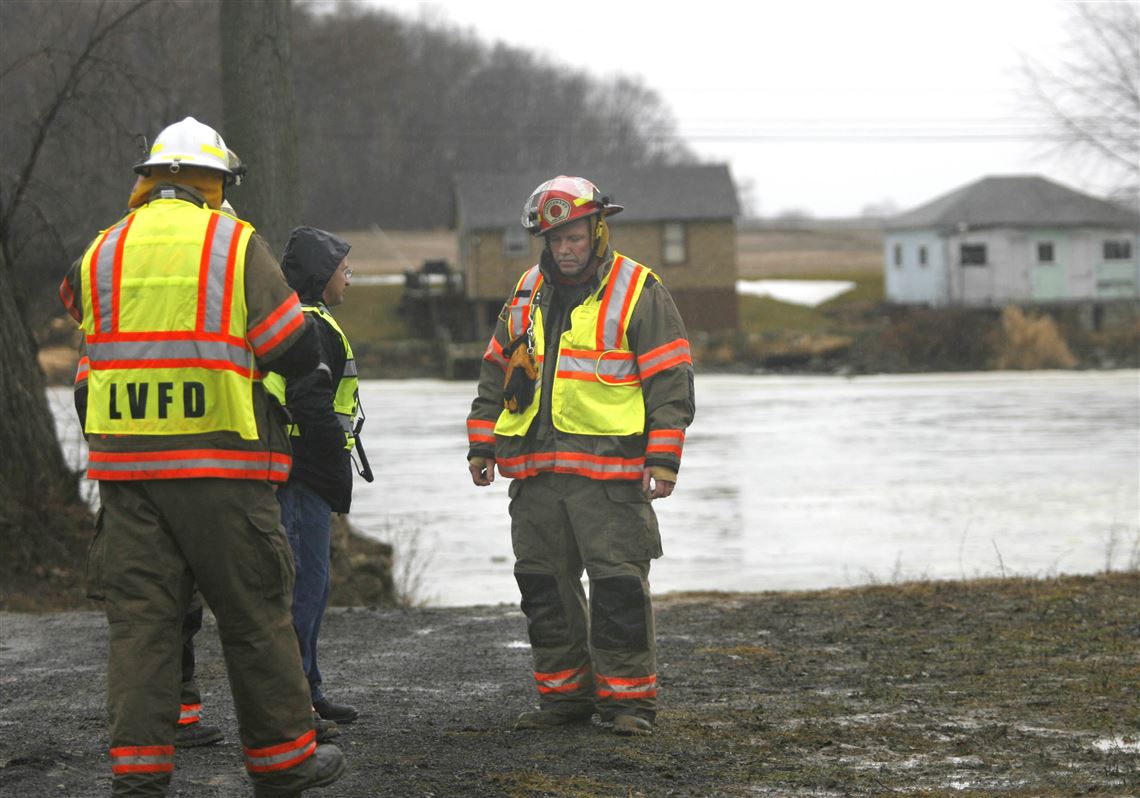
348,272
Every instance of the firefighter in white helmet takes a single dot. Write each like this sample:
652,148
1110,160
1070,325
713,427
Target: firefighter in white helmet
585,393
183,308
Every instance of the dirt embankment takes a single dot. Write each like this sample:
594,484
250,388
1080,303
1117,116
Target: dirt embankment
998,687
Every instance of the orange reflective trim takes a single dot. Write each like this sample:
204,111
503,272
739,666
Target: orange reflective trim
177,363
277,326
189,713
82,370
666,441
142,759
560,682
587,465
189,464
67,297
479,431
663,357
231,260
281,757
626,688
204,271
494,353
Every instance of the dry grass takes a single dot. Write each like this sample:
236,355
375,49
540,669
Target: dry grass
1031,342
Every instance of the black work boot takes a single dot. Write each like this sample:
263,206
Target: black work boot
550,719
330,767
341,713
326,729
632,726
195,734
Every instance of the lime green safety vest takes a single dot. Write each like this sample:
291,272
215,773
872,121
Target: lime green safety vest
346,400
165,324
597,389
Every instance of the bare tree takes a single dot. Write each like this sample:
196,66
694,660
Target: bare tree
1093,96
259,112
39,497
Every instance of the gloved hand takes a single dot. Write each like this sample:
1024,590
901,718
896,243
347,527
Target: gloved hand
518,385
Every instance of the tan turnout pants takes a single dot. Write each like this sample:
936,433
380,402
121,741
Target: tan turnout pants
597,653
154,541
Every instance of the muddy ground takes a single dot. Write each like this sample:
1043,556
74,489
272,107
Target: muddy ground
1003,687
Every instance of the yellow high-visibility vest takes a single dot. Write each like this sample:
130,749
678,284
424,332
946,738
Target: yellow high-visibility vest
165,324
346,400
597,389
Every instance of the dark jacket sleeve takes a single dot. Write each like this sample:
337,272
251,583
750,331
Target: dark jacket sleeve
657,334
310,397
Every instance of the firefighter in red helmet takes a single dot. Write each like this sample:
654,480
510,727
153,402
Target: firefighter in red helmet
585,394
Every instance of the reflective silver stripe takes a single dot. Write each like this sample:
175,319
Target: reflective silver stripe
608,367
122,760
566,460
300,750
345,422
190,464
218,272
102,352
572,678
622,275
269,333
648,365
521,301
105,276
350,368
190,713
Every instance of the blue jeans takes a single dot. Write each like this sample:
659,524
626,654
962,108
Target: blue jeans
308,522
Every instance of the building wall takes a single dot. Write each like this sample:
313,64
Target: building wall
704,283
1014,270
906,279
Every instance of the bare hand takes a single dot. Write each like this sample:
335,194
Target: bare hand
656,488
482,474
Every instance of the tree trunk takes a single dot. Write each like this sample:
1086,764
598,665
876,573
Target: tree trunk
32,463
259,114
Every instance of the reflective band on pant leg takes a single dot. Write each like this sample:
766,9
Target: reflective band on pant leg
542,605
617,614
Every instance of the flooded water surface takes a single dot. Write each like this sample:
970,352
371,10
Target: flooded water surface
801,483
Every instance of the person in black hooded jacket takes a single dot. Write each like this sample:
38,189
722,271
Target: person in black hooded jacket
323,406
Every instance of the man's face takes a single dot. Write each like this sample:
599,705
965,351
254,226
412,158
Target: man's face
570,246
335,287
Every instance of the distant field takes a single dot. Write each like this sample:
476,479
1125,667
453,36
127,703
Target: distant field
818,254
379,251
760,253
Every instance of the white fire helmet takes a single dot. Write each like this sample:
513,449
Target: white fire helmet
189,143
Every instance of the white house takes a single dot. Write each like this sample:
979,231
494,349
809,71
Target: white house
1015,239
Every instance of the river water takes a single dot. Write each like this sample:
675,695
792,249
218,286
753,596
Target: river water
798,482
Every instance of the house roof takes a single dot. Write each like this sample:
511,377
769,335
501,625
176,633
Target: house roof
1015,201
488,201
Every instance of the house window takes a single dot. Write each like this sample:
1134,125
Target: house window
674,234
516,242
972,254
922,256
1118,249
1045,252
898,255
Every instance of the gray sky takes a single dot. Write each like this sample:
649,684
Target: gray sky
823,106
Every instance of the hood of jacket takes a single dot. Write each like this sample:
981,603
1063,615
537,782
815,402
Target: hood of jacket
311,256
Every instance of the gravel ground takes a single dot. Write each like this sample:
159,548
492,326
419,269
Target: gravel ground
1001,687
